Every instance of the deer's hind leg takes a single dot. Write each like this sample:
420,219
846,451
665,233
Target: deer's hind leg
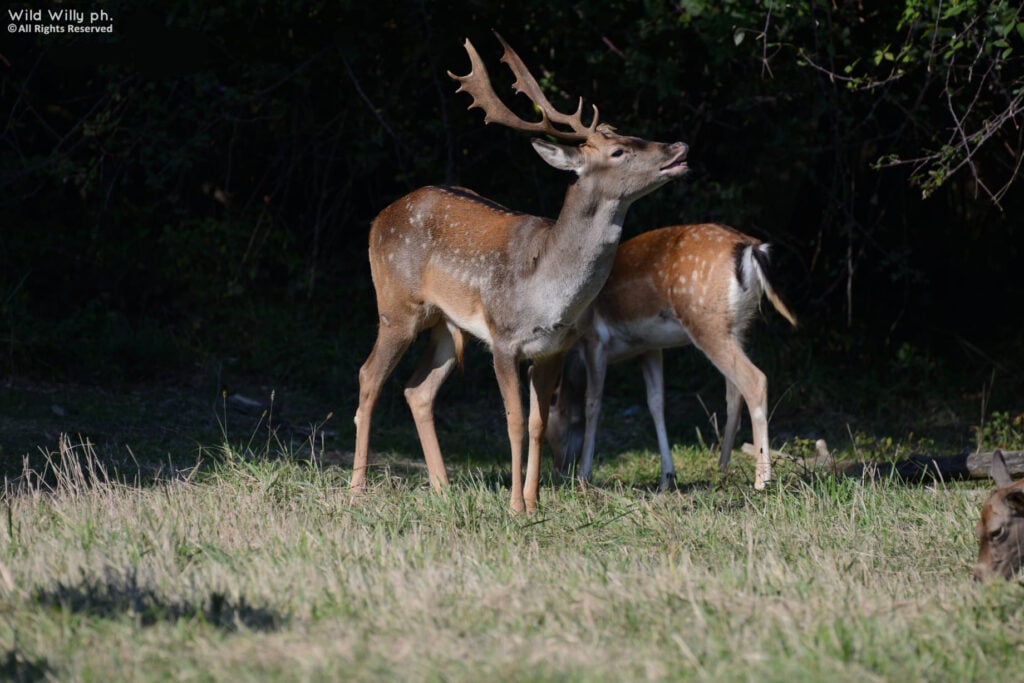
434,367
398,327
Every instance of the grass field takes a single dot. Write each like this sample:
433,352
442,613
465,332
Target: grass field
260,565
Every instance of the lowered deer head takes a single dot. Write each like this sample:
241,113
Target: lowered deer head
1001,527
449,261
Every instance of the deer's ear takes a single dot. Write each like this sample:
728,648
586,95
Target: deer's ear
997,470
562,157
1015,499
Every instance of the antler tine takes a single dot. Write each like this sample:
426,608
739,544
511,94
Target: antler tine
527,85
593,121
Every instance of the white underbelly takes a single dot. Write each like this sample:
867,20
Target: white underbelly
639,336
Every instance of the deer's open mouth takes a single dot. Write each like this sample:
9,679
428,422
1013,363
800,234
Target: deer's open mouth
676,166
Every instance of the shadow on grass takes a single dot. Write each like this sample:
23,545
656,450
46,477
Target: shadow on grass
15,666
113,596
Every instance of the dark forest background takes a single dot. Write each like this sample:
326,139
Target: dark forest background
194,190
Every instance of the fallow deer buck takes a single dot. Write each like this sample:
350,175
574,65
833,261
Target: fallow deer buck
1001,527
447,260
675,286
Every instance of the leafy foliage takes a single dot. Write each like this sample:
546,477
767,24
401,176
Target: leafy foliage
201,159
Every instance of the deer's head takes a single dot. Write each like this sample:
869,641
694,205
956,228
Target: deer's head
1001,527
623,167
567,418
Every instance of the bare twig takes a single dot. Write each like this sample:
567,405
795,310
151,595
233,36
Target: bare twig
373,109
764,42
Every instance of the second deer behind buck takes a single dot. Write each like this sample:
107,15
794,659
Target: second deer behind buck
681,285
448,261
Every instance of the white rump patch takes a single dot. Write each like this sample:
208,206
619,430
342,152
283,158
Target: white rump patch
744,291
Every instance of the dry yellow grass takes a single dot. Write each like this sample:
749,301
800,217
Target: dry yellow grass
269,569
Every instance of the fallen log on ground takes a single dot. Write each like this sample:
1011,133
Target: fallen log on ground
916,467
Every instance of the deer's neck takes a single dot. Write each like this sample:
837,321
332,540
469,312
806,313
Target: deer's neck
582,243
573,262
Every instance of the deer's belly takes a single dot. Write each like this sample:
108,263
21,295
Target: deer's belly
658,332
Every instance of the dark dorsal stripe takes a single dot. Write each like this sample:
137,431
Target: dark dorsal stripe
472,196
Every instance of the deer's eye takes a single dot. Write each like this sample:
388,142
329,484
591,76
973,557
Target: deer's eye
997,533
619,152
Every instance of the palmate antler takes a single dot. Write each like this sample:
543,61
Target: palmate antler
478,84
